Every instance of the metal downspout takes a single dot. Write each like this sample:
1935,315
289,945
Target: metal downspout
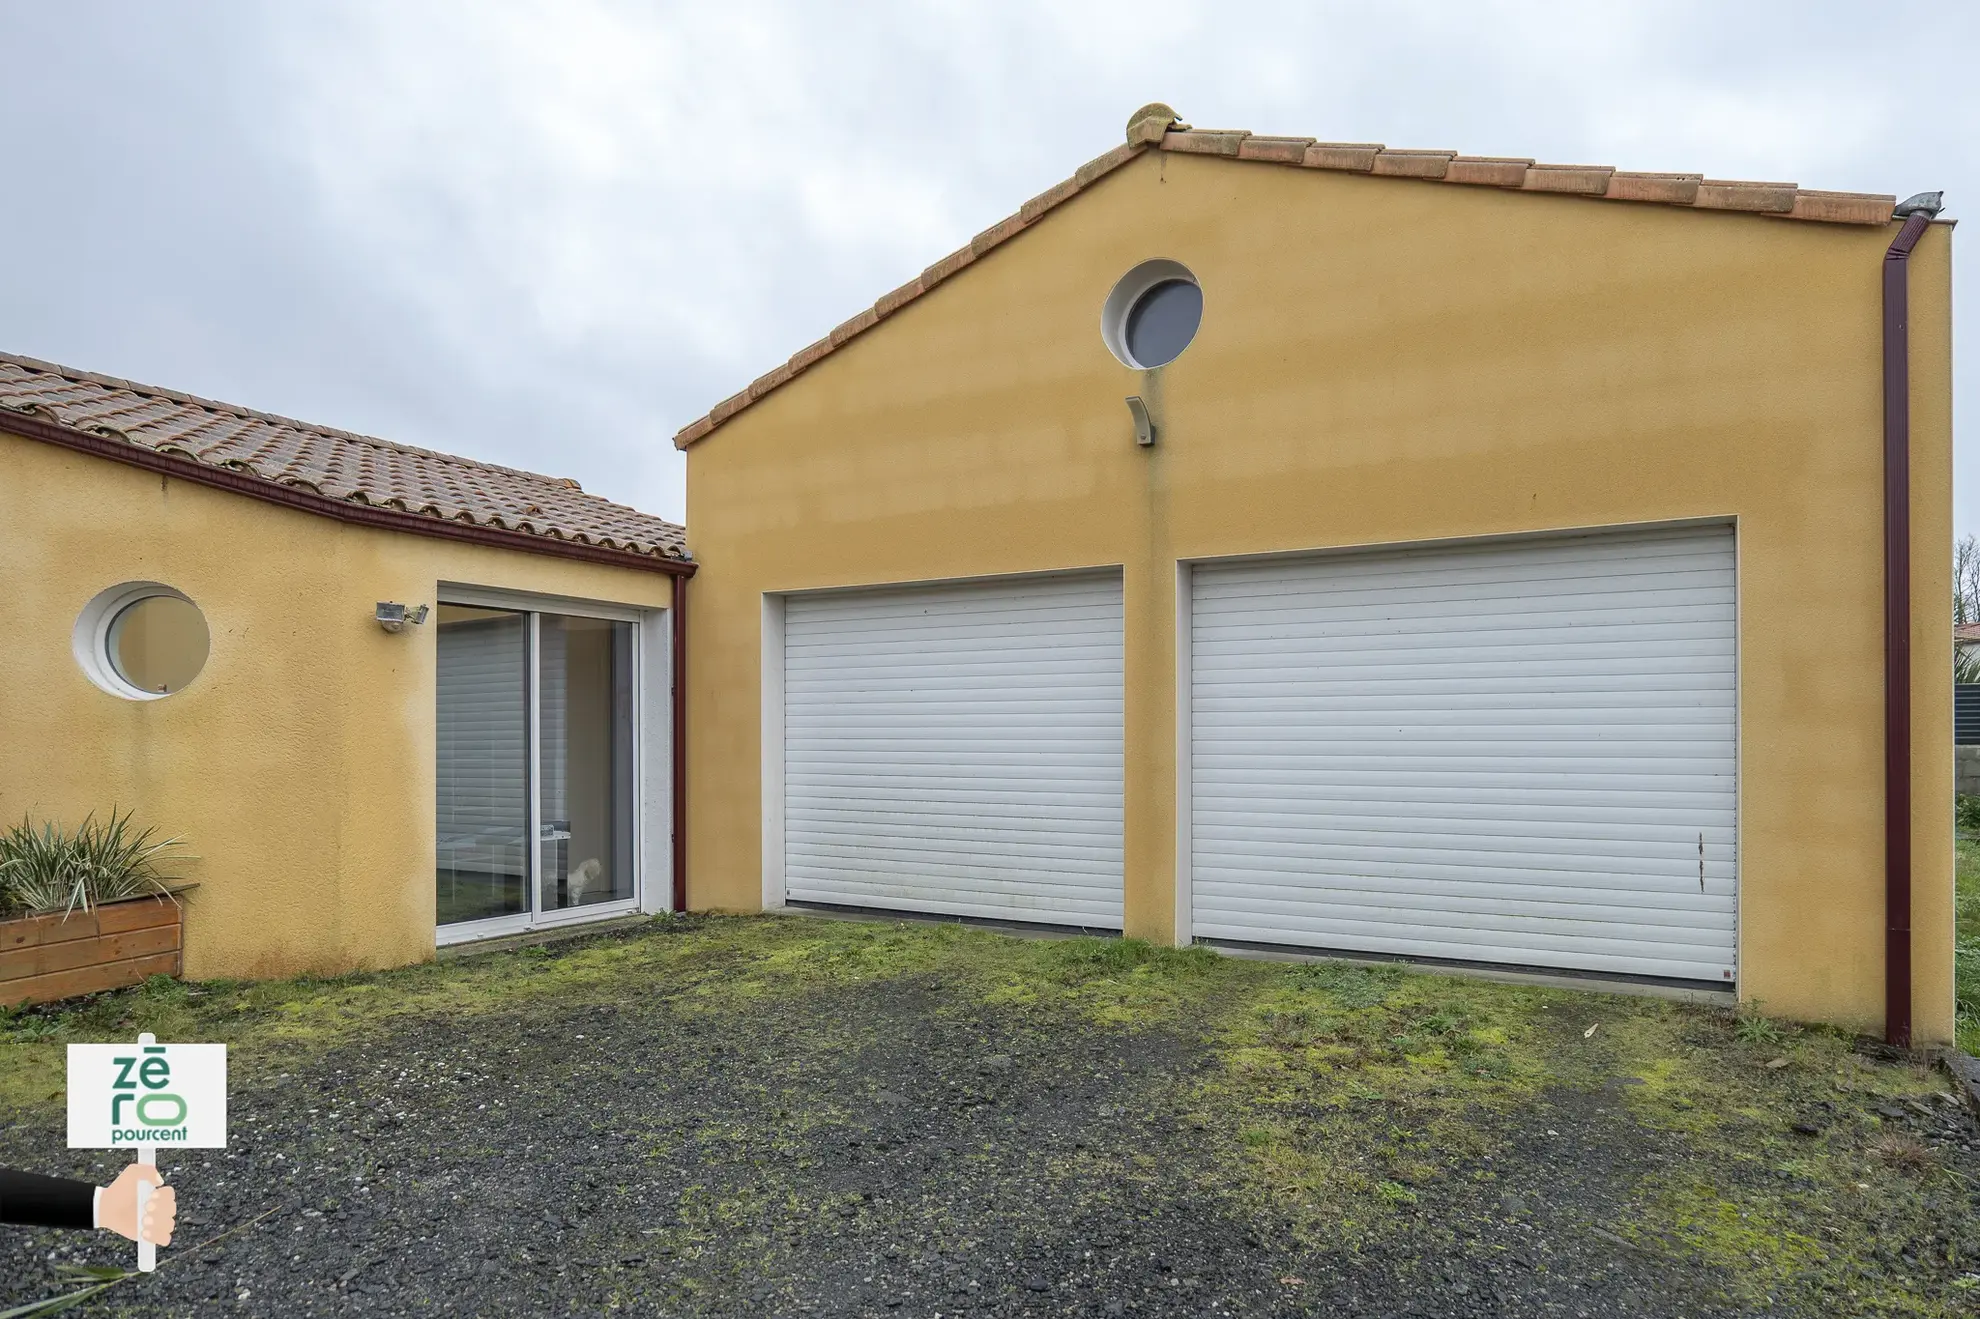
1917,214
680,742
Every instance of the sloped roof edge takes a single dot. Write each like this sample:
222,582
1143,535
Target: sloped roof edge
1156,128
334,473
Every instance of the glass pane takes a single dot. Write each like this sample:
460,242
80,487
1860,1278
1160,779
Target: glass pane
158,643
585,732
1163,321
483,763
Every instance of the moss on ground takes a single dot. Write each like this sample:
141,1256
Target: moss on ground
701,964
1347,1102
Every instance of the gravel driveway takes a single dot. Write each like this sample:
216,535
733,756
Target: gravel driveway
782,1116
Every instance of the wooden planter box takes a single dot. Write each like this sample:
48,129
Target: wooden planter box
43,958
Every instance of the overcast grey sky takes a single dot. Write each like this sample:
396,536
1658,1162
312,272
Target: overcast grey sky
550,232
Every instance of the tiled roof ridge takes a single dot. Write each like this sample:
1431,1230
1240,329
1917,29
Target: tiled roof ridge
273,418
1156,127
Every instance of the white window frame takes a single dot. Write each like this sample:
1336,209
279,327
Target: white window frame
90,638
652,714
771,772
1183,933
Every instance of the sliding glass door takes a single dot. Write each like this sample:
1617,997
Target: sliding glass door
537,724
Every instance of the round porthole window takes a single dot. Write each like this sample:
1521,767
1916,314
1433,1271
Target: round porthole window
141,640
1152,314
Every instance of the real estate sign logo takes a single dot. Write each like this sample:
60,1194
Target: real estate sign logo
124,1096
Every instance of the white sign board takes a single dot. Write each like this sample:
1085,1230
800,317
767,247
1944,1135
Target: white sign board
143,1095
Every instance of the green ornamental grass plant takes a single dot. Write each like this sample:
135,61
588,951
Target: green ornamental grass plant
48,869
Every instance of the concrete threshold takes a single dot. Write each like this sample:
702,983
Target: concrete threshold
1588,984
882,916
503,943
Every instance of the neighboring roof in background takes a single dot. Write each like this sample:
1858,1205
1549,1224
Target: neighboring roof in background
1154,127
355,478
1966,633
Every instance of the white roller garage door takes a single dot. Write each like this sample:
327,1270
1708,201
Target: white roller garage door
1516,753
956,749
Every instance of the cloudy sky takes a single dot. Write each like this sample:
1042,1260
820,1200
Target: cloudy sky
550,232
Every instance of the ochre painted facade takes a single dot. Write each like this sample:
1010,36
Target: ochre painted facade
299,765
1385,361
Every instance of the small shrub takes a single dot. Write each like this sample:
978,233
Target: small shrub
1445,1021
1966,813
1752,1028
1906,1153
47,869
24,1024
1354,986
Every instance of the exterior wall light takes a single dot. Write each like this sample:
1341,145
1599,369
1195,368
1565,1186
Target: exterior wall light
393,617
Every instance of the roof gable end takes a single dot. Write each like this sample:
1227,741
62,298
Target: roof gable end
1155,127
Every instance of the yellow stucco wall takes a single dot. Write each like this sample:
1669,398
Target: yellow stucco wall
299,764
1387,361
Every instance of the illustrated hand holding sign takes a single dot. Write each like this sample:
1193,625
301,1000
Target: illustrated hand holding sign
137,1097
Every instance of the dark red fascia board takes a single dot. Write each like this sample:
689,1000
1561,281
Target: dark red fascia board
341,510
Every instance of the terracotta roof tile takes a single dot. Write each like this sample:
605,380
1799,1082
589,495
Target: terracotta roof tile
1106,164
1495,171
1354,156
1049,198
1738,195
1205,143
1006,228
1668,189
1284,150
733,404
946,267
858,325
336,463
1396,163
1589,180
811,352
1155,127
1840,207
769,380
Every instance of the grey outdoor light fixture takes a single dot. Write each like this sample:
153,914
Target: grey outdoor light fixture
392,617
1144,425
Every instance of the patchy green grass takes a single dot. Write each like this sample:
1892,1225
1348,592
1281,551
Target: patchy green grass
704,965
1347,1101
1361,1083
1361,1090
1966,930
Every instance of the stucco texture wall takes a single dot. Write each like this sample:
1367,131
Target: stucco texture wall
299,764
1385,361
